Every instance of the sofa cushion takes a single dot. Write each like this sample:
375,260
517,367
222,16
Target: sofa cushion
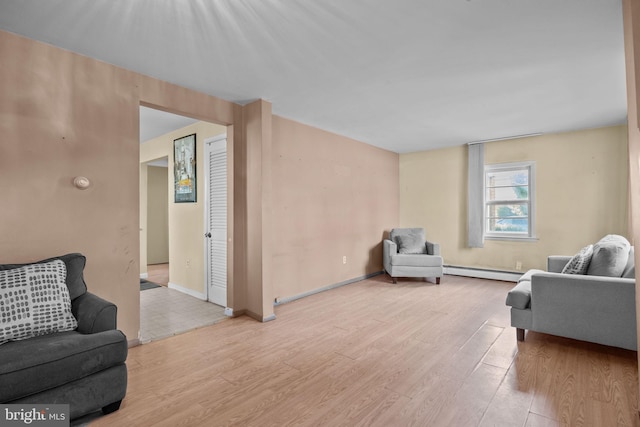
416,260
610,256
40,363
520,296
34,300
579,264
75,266
411,244
630,269
527,276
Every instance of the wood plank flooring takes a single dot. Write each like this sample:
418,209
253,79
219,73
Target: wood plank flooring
158,274
378,354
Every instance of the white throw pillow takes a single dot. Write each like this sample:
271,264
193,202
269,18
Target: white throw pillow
411,244
34,300
579,264
610,255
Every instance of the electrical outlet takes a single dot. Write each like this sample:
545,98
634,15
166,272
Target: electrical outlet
344,259
188,263
518,265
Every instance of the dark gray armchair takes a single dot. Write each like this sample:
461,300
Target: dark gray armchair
406,253
84,368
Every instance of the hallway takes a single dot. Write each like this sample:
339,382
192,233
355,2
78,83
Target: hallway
165,312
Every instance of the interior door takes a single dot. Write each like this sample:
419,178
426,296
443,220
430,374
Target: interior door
216,219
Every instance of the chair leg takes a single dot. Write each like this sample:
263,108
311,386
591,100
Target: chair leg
112,407
520,334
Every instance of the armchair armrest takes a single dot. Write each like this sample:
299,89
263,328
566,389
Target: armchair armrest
555,263
433,248
94,314
388,248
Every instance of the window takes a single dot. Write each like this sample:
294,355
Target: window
509,200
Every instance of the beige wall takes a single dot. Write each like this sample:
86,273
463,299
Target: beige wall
257,118
157,215
581,195
143,219
185,220
64,115
332,197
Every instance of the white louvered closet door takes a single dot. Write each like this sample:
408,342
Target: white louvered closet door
216,220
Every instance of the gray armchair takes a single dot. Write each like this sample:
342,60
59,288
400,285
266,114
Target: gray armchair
406,253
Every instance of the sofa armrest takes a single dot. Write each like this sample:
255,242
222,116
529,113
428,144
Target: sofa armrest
520,296
590,308
573,288
555,263
94,314
433,248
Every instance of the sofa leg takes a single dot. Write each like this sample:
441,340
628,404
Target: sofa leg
520,334
112,407
437,280
395,280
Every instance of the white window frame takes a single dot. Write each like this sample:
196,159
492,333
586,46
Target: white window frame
530,167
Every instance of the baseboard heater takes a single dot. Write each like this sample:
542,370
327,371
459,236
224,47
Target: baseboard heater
284,300
482,273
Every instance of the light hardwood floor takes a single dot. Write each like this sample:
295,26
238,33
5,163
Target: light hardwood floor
158,273
377,354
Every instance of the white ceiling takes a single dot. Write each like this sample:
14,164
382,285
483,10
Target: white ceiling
154,123
405,75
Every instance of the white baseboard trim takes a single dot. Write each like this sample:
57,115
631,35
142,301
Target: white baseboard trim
269,318
188,291
284,300
144,275
133,343
481,273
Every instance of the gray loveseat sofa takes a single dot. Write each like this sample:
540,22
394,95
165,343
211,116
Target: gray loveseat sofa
84,368
589,306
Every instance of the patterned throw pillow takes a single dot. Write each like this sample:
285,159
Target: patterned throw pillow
34,300
580,261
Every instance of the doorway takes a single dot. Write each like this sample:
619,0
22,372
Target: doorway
181,304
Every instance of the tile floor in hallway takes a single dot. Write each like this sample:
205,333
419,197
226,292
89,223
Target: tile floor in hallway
165,312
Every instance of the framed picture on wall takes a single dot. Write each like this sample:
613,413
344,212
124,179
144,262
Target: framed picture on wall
184,169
